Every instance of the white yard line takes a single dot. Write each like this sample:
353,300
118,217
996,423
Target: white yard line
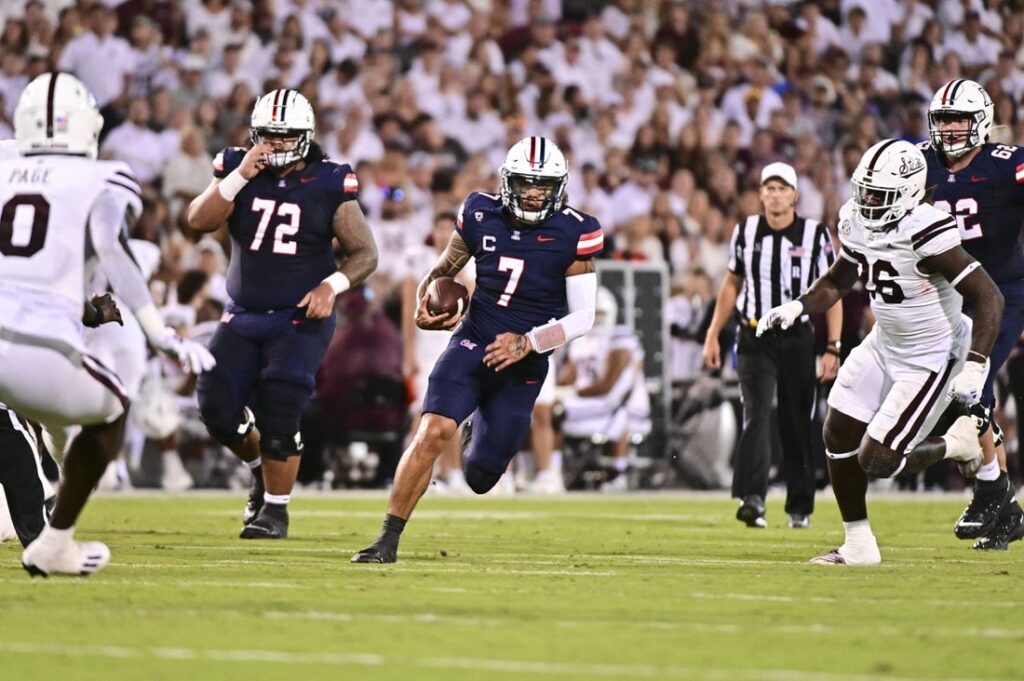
592,669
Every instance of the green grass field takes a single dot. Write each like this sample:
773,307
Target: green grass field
581,587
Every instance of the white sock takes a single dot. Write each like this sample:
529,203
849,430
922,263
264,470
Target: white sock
456,476
556,460
279,499
989,471
859,532
620,464
254,464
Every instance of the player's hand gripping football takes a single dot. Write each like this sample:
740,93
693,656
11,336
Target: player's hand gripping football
430,322
193,357
319,302
101,310
255,160
969,383
506,350
781,317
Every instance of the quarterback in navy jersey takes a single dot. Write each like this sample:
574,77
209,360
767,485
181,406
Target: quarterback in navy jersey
536,290
284,204
982,185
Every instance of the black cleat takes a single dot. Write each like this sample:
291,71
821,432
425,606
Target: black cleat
379,552
751,511
1008,529
981,515
271,523
465,435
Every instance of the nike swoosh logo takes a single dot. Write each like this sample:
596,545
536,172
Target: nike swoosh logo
304,180
532,382
545,238
978,179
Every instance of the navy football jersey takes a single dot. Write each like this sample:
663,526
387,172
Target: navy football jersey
282,230
986,198
520,272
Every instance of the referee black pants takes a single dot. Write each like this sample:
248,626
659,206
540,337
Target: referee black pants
23,461
779,365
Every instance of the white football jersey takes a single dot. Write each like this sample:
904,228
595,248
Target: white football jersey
917,314
56,212
589,354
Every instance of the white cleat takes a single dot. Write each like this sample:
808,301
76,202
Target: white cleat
45,558
963,447
863,555
175,478
547,483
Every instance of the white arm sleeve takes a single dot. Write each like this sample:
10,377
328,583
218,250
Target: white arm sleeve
581,294
108,234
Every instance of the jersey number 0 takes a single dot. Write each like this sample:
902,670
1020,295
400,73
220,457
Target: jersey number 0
40,210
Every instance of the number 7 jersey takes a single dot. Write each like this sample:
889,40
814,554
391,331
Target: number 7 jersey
520,271
917,314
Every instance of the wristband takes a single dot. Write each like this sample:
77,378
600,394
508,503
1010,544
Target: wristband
338,282
976,354
831,351
231,185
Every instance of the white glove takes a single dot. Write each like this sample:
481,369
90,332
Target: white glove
968,384
781,317
193,357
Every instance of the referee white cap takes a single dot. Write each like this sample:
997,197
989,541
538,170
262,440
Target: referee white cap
779,171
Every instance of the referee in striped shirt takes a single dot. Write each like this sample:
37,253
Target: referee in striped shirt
774,258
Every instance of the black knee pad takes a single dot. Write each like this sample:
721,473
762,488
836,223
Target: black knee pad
221,429
479,480
281,447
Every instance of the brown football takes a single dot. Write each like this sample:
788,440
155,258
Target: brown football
444,294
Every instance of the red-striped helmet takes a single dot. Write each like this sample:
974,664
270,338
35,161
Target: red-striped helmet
533,162
283,113
960,99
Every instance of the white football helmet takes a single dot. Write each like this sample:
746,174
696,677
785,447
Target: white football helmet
888,182
283,113
56,114
534,161
606,311
960,99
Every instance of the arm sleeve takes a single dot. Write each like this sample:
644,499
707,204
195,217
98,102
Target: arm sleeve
736,263
581,295
108,232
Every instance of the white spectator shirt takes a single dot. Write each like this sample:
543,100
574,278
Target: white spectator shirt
604,61
100,64
629,200
365,147
220,83
734,105
368,17
481,133
350,46
453,15
984,51
10,89
141,148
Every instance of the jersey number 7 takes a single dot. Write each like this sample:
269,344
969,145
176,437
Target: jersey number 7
515,268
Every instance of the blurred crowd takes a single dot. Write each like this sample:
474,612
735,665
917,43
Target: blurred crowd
666,110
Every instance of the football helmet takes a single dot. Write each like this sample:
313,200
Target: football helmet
533,161
888,182
283,113
606,311
56,114
960,99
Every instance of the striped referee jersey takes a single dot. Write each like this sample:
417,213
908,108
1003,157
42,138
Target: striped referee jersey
776,266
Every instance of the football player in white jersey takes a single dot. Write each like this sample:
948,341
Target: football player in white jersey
922,351
57,205
607,395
